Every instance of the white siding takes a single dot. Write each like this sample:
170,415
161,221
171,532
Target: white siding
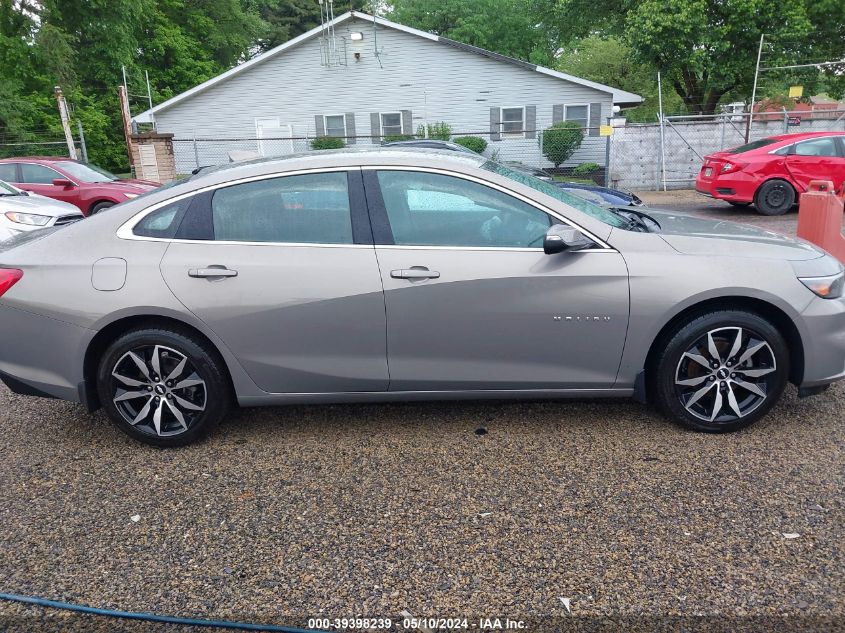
437,82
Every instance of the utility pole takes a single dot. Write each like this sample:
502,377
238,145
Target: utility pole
127,122
754,90
662,132
60,99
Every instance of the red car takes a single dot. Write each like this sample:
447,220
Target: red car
773,172
88,187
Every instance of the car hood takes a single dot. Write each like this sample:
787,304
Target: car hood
701,236
33,203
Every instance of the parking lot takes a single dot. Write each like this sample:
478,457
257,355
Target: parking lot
557,513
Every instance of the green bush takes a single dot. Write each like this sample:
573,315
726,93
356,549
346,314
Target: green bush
585,169
560,141
398,137
441,131
327,142
474,143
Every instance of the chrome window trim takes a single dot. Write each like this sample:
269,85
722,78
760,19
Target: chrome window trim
537,205
125,231
812,138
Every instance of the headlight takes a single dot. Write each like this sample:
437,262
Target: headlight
28,218
829,287
131,195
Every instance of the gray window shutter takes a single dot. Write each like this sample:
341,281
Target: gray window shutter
495,124
530,121
318,125
595,118
375,126
350,128
407,123
557,113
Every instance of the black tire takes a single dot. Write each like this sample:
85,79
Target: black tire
188,407
100,206
739,205
768,371
774,197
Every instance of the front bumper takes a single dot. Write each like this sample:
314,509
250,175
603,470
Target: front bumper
824,344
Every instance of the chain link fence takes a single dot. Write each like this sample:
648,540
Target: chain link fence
38,143
523,149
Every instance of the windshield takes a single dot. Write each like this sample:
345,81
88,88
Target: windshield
585,206
752,145
86,173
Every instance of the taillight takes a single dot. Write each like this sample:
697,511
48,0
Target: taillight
731,166
8,278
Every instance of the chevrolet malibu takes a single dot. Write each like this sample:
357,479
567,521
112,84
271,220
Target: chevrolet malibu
396,274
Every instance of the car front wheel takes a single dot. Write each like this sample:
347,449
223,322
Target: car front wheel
163,387
721,371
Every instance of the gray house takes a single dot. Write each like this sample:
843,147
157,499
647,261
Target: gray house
366,78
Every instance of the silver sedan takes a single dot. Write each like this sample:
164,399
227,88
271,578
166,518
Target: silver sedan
390,274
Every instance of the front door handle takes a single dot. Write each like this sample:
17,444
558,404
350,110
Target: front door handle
415,272
212,271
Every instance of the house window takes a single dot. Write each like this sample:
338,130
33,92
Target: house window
579,113
335,125
391,124
513,121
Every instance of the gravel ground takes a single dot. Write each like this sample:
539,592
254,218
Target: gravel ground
287,513
337,511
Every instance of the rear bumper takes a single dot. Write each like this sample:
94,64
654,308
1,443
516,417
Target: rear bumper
40,356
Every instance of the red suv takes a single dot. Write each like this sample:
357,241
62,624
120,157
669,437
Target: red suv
773,172
88,187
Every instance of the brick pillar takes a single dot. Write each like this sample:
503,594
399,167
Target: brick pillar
152,157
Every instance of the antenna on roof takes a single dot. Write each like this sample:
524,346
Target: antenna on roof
331,54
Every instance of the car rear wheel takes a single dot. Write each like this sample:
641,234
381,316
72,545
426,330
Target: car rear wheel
163,387
774,197
721,371
100,206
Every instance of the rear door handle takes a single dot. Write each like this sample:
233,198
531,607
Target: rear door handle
212,271
416,272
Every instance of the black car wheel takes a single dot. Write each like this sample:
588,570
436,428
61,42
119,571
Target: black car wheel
163,387
774,197
100,206
721,371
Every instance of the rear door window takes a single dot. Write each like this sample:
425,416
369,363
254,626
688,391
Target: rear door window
817,147
9,172
303,209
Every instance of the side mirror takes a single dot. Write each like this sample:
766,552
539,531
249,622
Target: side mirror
560,238
62,182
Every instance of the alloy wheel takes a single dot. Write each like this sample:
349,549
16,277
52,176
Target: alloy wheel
157,390
725,374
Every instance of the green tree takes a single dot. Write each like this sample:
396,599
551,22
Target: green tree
501,26
706,49
611,61
560,141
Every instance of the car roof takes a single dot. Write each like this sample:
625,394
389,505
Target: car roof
39,159
797,136
346,157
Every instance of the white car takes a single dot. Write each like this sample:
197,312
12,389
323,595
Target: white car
22,211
